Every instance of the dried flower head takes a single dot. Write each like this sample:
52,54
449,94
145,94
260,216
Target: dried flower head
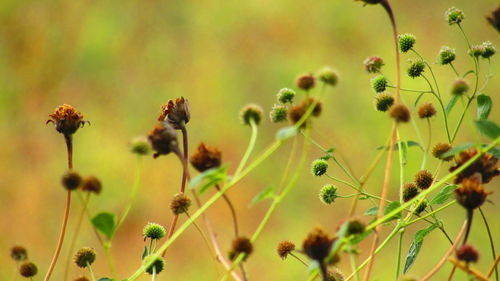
177,113
180,204
84,257
400,113
486,165
467,253
373,64
355,227
240,245
328,194
18,253
379,83
278,113
317,244
440,149
454,16
415,68
28,269
410,191
459,87
319,167
446,55
488,50
421,207
156,267
317,106
251,112
476,50
206,158
140,146
426,110
305,82
71,180
67,120
471,194
494,18
285,248
154,231
423,179
328,76
383,101
163,139
406,42
286,95
91,184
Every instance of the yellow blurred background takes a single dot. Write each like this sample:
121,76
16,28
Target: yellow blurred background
119,61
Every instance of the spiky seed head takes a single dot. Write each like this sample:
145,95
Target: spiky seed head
140,146
317,244
373,64
305,82
18,253
383,101
467,253
415,68
494,18
421,207
319,167
156,267
410,190
278,113
471,193
459,87
84,257
71,180
240,245
206,158
285,248
400,113
454,16
406,42
379,83
426,110
328,76
154,231
441,148
423,179
286,95
489,50
355,227
446,55
67,120
180,204
91,184
251,112
328,194
28,269
476,51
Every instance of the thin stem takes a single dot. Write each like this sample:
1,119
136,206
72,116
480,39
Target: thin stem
490,237
445,119
470,214
433,212
410,90
454,70
470,271
250,147
133,193
92,276
430,69
299,259
494,266
429,140
352,258
398,255
231,208
69,147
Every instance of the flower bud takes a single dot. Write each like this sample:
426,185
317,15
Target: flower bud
317,244
328,76
319,167
379,84
441,148
454,16
286,95
18,253
91,184
383,101
305,82
251,112
421,207
410,191
67,120
476,51
426,110
406,42
355,227
285,248
373,64
241,245
415,68
446,55
328,194
488,50
400,113
154,231
84,257
278,113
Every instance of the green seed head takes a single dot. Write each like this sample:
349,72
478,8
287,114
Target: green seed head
140,146
278,113
373,64
319,167
459,87
84,257
328,76
415,68
446,55
454,16
251,112
156,267
384,101
489,50
328,194
153,231
406,42
286,95
379,84
354,227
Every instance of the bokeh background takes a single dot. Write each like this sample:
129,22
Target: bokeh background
119,61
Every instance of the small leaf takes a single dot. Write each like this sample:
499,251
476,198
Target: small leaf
396,147
404,152
416,245
328,154
451,103
488,128
443,195
105,279
484,104
105,222
285,133
468,72
457,149
387,209
268,192
209,178
418,98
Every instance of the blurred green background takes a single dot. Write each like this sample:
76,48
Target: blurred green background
119,61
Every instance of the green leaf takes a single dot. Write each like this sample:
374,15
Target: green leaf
418,98
373,211
457,149
285,133
105,279
396,147
209,178
416,245
468,72
404,152
268,192
105,222
328,154
443,195
451,103
488,128
484,104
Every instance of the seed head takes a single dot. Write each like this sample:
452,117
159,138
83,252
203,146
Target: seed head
328,194
379,84
140,146
410,191
459,87
488,50
406,42
295,113
28,269
319,167
476,51
67,120
285,248
278,113
84,257
317,244
446,55
383,101
18,253
305,82
486,166
163,139
251,112
423,179
154,231
328,76
467,253
241,245
206,158
355,227
156,267
471,194
373,64
91,184
176,113
82,278
71,180
494,18
400,113
286,95
317,107
415,68
180,204
454,16
426,110
441,148
421,207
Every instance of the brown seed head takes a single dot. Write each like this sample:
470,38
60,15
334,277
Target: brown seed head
28,269
206,158
163,139
426,110
423,179
410,190
82,278
317,108
71,180
295,113
18,253
355,226
91,184
467,253
177,113
306,82
180,204
441,148
284,248
317,245
471,193
486,165
400,113
84,257
67,120
241,245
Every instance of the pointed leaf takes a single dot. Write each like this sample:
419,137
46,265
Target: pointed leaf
387,209
416,245
484,104
451,103
105,222
396,146
268,192
443,195
488,128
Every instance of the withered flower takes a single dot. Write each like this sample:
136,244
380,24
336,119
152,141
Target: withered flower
285,248
180,204
28,269
206,158
471,193
163,139
176,113
426,110
67,119
486,165
317,107
317,245
441,148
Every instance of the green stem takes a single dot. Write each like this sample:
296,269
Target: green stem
352,258
454,70
430,69
433,212
133,193
442,108
92,276
410,90
250,147
398,257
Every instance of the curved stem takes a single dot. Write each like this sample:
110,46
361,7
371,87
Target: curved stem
490,237
299,259
442,108
470,214
231,208
92,276
250,147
